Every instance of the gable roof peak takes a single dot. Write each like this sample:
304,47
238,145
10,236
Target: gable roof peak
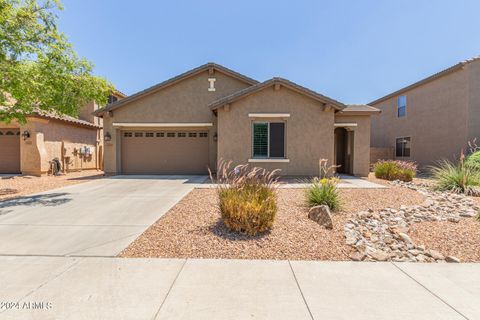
276,80
174,80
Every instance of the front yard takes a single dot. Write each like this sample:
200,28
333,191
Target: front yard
16,186
193,229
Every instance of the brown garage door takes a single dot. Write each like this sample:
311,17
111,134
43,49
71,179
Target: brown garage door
9,150
164,152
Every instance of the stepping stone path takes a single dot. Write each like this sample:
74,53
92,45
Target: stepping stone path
382,235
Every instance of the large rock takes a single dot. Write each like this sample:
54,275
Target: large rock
434,254
321,215
452,259
379,255
357,256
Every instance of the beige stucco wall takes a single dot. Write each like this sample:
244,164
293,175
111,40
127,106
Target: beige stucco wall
436,119
47,138
185,101
309,130
361,142
473,70
381,154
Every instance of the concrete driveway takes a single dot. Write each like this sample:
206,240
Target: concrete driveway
97,218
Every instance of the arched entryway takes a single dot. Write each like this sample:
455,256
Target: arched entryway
344,150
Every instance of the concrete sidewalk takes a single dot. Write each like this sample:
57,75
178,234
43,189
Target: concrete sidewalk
115,288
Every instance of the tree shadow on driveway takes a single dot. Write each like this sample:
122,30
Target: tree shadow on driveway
46,200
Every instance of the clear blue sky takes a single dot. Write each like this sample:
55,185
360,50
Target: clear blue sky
353,51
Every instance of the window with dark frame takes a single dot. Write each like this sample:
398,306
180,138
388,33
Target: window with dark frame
203,134
112,99
181,134
402,147
127,134
401,106
268,140
149,134
192,134
160,134
138,134
170,134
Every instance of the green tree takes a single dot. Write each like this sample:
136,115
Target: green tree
39,70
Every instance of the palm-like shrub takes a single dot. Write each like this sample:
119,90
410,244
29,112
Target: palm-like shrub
460,177
395,170
247,197
323,192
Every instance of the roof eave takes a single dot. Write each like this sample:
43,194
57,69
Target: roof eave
433,77
260,86
174,80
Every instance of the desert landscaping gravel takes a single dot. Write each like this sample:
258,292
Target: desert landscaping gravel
193,229
16,186
461,239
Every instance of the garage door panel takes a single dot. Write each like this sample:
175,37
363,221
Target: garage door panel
159,153
9,150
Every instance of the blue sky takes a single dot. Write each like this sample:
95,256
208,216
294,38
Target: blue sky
352,51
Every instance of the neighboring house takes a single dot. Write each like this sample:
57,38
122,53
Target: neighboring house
433,118
188,123
30,148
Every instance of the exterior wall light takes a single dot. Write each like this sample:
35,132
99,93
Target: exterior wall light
215,137
25,135
107,137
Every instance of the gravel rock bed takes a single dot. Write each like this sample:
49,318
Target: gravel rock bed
193,229
461,240
382,235
16,186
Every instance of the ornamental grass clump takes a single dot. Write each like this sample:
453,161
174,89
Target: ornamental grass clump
395,170
247,197
460,177
323,192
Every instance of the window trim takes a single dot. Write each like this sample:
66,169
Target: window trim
403,149
268,158
404,106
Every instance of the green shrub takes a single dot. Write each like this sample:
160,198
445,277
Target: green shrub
473,160
247,198
323,192
455,177
395,170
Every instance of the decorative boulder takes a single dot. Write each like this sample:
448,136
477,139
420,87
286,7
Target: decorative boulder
321,215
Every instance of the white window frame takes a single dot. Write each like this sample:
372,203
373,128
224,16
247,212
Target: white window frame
253,158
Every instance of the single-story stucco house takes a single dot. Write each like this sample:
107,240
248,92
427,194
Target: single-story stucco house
77,143
189,123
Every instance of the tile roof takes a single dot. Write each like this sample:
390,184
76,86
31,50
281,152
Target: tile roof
69,119
360,108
